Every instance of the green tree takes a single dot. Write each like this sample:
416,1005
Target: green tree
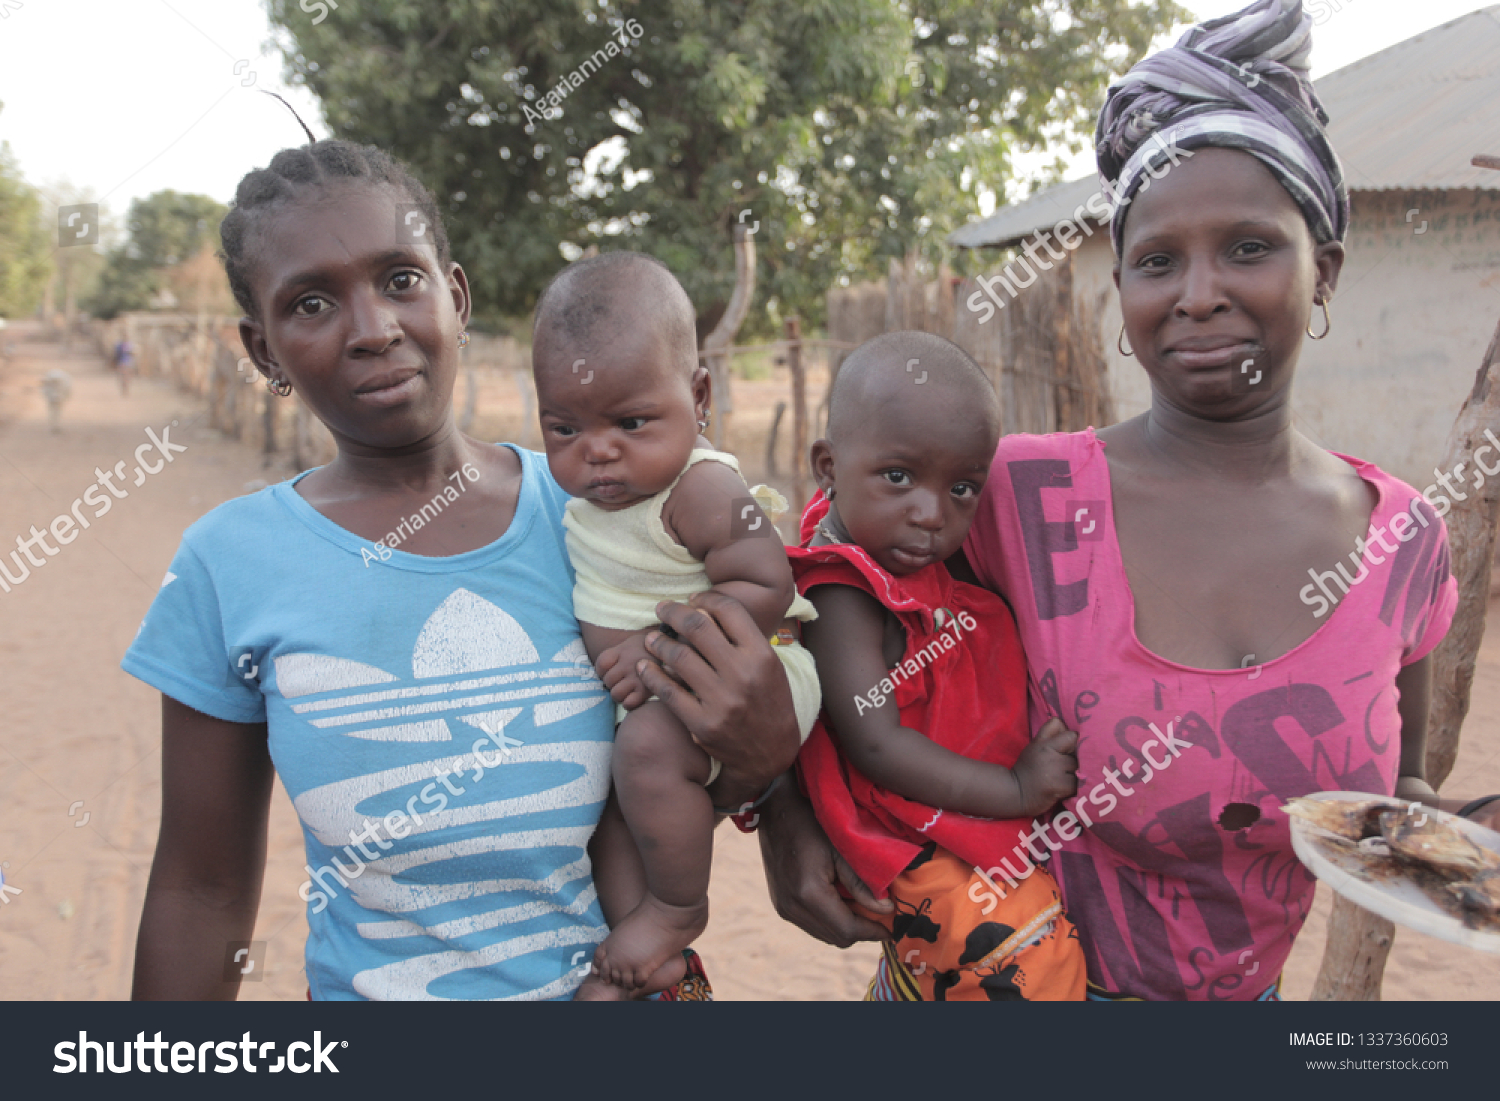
75,270
852,130
123,285
166,227
163,230
25,247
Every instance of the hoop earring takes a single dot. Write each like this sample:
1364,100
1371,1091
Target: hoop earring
463,339
279,386
1120,343
1327,322
830,493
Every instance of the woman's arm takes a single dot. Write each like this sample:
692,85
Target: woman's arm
803,873
1414,682
725,684
845,640
205,882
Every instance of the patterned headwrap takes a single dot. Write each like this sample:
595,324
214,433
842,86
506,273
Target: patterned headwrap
1240,82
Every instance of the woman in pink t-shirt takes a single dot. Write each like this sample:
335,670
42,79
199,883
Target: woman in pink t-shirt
1230,615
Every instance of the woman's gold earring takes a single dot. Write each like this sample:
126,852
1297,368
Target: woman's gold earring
1120,342
279,386
463,339
1327,322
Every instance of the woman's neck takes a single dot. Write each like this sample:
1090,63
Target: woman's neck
1261,446
419,466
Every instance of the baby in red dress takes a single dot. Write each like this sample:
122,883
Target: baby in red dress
922,769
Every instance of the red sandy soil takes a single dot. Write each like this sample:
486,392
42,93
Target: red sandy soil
80,745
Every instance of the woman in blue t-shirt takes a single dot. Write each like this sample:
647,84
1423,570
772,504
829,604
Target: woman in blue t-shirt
392,634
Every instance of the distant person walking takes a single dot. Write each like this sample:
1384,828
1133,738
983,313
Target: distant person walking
56,388
124,364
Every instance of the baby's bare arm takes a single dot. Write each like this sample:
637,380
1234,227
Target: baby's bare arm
845,641
743,560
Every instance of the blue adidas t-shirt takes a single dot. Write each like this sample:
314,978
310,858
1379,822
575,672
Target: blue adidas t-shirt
435,721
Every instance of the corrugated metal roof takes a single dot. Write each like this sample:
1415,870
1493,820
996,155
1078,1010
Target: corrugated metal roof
1408,117
1020,220
1412,116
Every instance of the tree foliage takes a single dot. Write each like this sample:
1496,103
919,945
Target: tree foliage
168,227
25,246
165,230
123,285
851,130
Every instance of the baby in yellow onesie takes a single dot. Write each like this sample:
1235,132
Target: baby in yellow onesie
656,515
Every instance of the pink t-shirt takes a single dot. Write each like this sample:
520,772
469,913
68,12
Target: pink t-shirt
1179,873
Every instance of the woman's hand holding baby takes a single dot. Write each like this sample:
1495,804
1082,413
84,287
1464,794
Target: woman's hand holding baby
723,681
810,883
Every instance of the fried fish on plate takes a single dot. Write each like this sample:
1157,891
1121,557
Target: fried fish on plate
1422,839
1350,821
1481,896
1426,848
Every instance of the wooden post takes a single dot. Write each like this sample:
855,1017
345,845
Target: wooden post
220,388
771,439
716,343
529,426
1471,540
1359,941
1064,362
799,414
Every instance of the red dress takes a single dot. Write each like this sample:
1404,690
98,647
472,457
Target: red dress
970,698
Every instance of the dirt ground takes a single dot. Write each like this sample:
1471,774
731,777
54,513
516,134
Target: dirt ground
80,744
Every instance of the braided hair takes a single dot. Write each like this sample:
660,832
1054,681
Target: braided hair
293,172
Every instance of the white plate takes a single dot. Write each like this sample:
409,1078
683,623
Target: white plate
1393,897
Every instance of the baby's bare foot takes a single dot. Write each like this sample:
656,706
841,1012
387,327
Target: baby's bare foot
646,941
595,989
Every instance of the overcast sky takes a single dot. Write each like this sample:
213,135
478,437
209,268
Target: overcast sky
127,97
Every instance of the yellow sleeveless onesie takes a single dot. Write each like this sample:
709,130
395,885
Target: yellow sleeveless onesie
624,562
